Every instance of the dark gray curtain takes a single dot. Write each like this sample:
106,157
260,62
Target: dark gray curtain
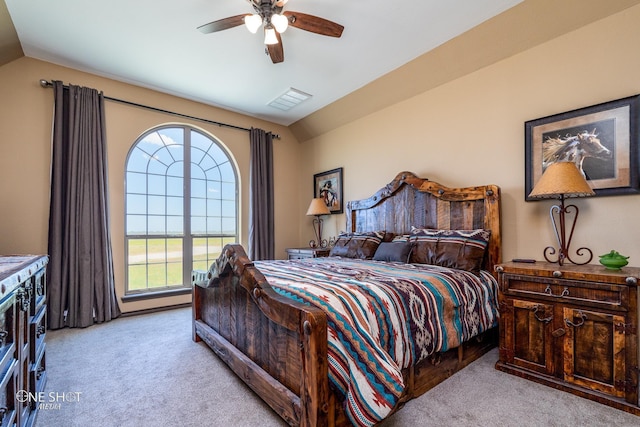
80,289
261,234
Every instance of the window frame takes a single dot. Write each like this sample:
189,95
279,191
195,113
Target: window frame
187,235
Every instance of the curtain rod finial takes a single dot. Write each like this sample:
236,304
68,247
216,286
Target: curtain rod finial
44,83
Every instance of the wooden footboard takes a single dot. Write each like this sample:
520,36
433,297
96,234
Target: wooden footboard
275,345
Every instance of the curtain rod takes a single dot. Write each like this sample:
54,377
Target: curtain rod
46,83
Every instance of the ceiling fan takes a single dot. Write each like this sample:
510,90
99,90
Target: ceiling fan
269,14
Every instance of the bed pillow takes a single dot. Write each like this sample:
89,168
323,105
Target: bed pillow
357,245
393,251
461,249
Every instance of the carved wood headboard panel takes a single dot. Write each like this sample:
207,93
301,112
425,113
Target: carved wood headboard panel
412,201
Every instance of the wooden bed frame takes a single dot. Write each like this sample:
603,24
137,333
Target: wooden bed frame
278,346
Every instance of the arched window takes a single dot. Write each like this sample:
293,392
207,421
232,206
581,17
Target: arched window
181,207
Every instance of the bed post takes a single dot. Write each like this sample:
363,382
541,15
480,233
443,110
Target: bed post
314,395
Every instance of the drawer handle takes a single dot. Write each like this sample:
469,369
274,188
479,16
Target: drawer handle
541,319
583,317
40,331
548,291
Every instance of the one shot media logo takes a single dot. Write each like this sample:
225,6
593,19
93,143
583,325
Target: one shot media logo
50,400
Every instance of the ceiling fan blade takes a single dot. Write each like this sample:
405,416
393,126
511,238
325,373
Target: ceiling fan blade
281,3
222,24
314,24
276,51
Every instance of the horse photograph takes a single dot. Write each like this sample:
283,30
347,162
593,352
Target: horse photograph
591,148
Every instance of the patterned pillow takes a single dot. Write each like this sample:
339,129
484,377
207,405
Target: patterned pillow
357,245
393,251
461,249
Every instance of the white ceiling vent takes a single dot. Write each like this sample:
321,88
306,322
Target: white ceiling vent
289,99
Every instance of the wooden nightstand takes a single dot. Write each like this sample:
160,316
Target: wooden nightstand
299,253
574,328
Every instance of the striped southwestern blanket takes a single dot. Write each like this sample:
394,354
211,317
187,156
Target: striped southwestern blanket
383,317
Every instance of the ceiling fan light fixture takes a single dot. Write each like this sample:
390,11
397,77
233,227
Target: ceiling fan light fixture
253,22
280,22
270,36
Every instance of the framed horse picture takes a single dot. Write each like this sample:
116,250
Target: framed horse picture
602,140
328,186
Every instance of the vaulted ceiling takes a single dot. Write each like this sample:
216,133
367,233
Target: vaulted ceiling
387,52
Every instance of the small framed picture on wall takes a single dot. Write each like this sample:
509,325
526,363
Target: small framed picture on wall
328,186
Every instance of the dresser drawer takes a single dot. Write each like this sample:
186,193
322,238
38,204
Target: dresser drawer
605,295
7,394
38,372
37,332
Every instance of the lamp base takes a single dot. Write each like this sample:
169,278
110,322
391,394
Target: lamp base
558,219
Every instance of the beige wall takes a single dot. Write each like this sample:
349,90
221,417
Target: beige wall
471,131
25,134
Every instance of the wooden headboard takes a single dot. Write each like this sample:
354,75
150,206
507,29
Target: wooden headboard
412,201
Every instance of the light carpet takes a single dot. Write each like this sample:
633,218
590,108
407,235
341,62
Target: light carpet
145,370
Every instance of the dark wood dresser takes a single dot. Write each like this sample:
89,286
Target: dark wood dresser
299,253
574,328
22,337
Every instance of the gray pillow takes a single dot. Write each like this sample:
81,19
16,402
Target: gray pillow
393,251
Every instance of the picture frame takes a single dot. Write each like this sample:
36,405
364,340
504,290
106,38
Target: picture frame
602,139
328,186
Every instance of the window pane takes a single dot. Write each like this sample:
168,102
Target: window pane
228,208
138,160
137,251
157,225
175,224
136,224
174,274
218,155
157,205
156,250
157,275
228,191
136,204
176,151
174,186
157,167
226,171
214,189
137,277
174,250
164,156
214,225
198,225
174,206
199,249
156,184
228,225
198,188
136,183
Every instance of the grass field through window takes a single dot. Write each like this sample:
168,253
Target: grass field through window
157,262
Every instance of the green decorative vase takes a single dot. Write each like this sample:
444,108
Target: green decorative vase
613,260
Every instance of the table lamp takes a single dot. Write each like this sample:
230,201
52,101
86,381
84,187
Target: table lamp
562,180
317,207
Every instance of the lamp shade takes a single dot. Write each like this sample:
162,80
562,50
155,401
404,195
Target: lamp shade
561,179
318,207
